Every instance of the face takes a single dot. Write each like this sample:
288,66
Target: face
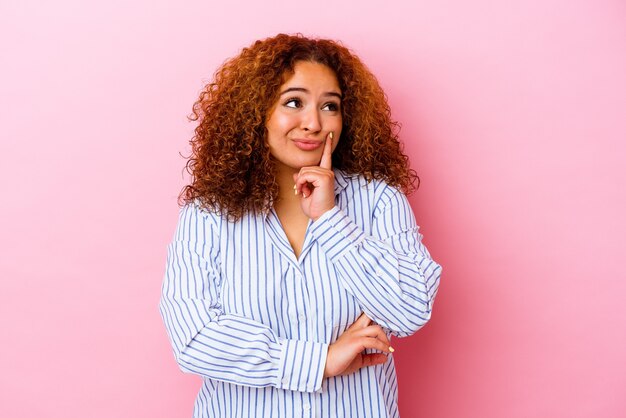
309,107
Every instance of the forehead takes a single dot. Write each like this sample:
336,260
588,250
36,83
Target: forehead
312,76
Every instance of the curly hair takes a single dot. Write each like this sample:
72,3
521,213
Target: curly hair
232,171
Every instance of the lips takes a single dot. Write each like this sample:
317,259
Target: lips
307,144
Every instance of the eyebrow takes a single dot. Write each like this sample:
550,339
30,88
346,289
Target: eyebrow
301,89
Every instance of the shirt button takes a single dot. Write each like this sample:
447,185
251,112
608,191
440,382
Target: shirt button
306,406
379,272
302,317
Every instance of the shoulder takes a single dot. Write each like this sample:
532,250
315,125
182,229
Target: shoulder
381,209
378,192
194,216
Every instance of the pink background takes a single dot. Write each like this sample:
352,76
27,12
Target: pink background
513,113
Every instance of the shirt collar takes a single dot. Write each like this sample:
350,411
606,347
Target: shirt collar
341,180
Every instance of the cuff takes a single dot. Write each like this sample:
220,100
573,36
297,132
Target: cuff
302,365
336,233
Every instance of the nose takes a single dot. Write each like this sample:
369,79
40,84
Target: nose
311,120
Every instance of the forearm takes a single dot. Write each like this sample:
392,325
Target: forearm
242,351
219,345
394,280
396,290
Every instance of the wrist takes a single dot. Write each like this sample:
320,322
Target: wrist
315,219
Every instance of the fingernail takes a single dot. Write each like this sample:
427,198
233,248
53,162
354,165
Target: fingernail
391,350
332,135
295,191
294,186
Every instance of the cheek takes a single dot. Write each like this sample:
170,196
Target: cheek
337,128
335,124
280,124
337,131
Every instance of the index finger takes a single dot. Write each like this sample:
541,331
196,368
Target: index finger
327,155
362,321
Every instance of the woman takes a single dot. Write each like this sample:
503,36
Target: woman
296,255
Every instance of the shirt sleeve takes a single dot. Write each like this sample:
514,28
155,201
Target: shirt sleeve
390,272
216,345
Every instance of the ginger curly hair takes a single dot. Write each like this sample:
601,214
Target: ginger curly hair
232,171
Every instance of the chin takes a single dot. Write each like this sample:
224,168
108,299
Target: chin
308,163
303,161
298,163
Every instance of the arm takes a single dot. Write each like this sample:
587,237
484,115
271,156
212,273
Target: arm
390,273
217,345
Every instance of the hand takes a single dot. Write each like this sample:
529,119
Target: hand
345,356
316,184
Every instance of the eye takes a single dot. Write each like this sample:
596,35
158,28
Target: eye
293,103
331,106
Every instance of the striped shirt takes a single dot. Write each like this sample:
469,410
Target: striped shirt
256,322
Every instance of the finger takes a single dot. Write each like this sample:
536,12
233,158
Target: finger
361,322
314,178
315,171
327,155
376,344
373,359
307,189
374,331
304,186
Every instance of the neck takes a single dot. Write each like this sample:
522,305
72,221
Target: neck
284,177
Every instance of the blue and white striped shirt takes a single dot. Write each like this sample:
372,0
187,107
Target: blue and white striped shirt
255,321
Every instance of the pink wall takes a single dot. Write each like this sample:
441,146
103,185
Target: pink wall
513,113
